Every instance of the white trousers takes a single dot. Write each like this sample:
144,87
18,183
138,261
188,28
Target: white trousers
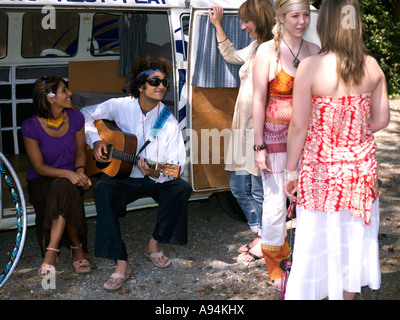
333,252
274,210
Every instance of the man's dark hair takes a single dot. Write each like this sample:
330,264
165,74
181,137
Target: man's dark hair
143,64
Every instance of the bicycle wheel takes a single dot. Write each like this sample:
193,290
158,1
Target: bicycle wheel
14,186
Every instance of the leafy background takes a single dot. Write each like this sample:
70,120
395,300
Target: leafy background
382,37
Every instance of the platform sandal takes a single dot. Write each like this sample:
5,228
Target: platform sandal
48,268
80,266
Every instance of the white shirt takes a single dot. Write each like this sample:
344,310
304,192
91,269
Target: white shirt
126,113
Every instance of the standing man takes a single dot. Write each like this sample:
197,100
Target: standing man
145,116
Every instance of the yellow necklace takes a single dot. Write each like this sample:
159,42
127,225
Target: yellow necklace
55,124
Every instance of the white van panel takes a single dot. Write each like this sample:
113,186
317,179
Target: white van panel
151,4
232,4
311,33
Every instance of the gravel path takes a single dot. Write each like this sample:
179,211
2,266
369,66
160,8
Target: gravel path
206,268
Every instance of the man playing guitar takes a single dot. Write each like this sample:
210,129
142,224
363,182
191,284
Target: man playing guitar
156,129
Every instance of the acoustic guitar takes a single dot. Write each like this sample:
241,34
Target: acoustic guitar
121,154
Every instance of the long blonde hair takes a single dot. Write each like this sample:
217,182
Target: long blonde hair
282,7
340,29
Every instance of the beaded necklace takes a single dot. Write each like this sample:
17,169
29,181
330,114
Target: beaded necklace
56,124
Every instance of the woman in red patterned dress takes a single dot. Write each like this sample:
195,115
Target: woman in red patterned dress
339,101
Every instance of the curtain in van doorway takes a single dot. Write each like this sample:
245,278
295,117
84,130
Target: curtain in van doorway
211,70
132,39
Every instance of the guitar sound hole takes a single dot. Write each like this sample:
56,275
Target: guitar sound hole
102,165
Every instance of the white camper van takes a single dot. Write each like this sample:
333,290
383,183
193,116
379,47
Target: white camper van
85,42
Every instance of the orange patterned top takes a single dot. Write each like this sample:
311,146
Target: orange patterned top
278,111
282,84
339,168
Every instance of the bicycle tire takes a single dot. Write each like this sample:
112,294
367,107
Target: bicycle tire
20,206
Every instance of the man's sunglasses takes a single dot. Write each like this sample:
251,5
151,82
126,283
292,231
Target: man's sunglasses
155,82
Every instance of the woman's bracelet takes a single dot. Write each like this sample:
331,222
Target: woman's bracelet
80,167
291,175
259,147
219,42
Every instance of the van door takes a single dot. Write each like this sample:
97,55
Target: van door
213,86
211,98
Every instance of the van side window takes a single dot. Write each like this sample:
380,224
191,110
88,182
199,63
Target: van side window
211,70
105,38
41,40
3,35
185,20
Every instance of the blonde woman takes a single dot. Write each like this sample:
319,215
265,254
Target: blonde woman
274,70
343,92
245,182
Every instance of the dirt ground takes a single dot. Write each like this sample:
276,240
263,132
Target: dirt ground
389,182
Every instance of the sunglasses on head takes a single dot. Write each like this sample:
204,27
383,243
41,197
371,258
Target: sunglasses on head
46,79
155,82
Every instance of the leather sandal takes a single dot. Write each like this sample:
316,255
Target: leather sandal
247,246
159,255
115,277
252,255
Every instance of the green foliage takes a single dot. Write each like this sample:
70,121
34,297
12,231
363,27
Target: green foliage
382,38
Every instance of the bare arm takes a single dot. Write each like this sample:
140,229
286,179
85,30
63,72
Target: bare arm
225,46
380,111
260,89
93,139
216,13
80,159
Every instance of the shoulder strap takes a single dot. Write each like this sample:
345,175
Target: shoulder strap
309,52
158,124
160,121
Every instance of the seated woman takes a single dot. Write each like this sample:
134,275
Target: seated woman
54,140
